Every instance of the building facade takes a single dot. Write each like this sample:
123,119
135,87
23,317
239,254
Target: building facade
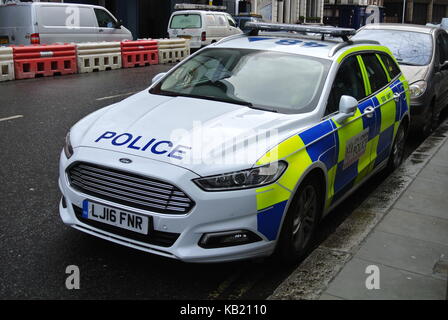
416,11
290,11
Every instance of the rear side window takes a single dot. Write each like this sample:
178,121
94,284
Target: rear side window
211,21
105,20
390,65
186,21
348,82
375,72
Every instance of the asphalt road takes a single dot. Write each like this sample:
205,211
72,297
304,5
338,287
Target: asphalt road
36,247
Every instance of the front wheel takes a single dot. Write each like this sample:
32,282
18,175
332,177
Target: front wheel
301,221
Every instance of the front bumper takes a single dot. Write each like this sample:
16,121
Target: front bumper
213,211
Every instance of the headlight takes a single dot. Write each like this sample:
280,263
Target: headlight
244,179
68,149
418,88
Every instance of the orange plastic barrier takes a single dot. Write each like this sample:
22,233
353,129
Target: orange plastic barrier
139,53
44,60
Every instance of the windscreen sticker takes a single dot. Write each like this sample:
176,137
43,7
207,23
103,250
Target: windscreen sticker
355,148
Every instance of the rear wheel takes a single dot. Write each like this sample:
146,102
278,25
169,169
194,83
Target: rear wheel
398,148
301,221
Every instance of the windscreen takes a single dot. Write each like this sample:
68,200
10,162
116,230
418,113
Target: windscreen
274,81
409,48
186,21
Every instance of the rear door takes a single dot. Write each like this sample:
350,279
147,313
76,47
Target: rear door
16,24
385,106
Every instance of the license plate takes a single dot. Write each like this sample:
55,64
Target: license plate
4,40
115,217
185,37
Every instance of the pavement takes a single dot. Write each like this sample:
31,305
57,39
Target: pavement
394,246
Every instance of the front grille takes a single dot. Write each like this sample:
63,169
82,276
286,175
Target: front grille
128,189
158,238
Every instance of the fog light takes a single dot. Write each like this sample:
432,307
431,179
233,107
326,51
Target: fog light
64,203
227,239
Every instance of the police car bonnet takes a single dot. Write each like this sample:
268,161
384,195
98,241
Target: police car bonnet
179,130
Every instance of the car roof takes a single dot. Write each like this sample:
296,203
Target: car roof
198,12
400,26
327,49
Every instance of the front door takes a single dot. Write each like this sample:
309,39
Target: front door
355,135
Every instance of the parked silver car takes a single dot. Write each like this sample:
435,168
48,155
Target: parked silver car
422,53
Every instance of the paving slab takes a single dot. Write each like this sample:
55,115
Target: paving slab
423,204
402,252
395,284
416,226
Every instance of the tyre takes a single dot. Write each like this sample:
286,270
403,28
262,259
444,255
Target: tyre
398,148
301,221
428,122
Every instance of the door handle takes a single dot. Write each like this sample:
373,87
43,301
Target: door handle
369,111
397,97
101,30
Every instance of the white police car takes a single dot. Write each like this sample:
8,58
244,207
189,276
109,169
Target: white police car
238,151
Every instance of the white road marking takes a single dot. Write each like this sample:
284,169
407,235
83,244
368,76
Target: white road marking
12,118
115,96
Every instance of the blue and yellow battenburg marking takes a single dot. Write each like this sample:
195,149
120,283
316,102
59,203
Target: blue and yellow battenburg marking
326,143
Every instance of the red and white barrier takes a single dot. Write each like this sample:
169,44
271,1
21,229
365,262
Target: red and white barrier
44,60
139,53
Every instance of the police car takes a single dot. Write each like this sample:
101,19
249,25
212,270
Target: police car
241,149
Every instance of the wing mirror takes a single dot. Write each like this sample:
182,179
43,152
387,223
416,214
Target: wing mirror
158,77
118,24
347,109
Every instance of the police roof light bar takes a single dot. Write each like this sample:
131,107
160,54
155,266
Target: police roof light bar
255,27
192,6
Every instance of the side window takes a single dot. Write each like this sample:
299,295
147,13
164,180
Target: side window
375,72
210,20
221,20
105,20
390,65
348,82
232,23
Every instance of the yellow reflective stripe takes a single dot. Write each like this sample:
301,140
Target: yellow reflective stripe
298,163
270,195
388,109
364,161
282,150
384,67
331,176
364,48
365,76
406,89
373,153
348,131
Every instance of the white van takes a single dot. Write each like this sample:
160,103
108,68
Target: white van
46,23
201,27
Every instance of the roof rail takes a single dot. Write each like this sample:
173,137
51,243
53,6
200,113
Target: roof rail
192,6
255,27
341,45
